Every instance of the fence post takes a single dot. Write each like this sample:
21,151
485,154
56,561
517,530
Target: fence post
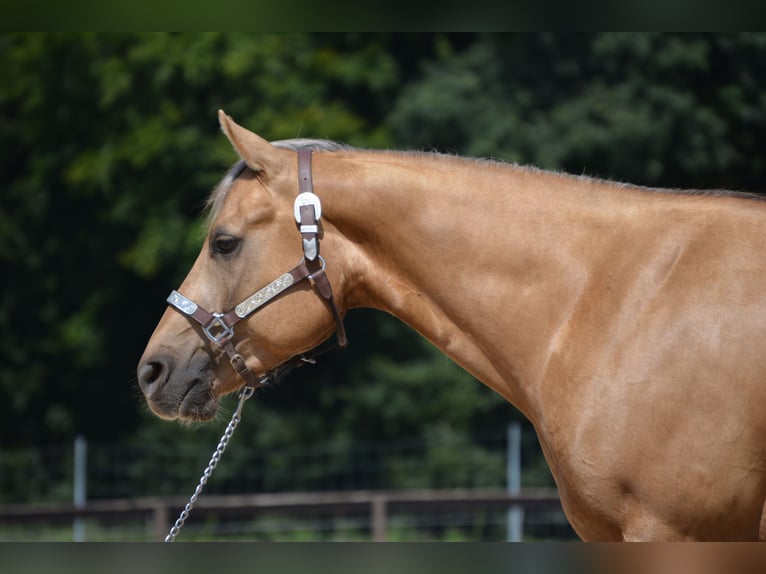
80,485
378,517
515,516
160,520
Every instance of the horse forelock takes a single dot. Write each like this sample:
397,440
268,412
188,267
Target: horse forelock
218,195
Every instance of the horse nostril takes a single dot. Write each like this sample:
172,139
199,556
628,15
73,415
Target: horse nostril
152,372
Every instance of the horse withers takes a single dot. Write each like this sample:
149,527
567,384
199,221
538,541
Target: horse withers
626,323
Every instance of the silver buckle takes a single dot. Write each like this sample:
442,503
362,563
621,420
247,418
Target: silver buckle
225,332
307,198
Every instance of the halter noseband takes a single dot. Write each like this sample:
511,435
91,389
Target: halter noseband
219,327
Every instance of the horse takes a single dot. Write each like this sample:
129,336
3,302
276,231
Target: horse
626,323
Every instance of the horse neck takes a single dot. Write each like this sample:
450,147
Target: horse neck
472,255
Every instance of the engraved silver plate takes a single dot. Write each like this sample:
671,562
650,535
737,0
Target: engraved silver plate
310,248
263,296
182,303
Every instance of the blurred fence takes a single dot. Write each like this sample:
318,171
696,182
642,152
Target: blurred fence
424,490
347,515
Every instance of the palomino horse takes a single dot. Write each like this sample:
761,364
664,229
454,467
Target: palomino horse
626,323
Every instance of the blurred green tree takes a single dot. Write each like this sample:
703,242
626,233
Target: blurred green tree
664,110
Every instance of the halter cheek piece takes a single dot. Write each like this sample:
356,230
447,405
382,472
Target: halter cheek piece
219,327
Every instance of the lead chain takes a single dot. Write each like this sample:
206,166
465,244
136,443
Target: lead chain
244,394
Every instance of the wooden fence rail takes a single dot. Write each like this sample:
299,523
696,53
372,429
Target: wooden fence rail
378,504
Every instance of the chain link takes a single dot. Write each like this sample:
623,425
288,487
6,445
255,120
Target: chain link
244,394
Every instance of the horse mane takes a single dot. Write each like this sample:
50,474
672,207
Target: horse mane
218,195
297,144
671,190
707,193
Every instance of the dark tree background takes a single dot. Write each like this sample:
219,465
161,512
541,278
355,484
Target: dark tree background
109,145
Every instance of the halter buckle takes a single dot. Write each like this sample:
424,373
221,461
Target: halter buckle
303,199
222,330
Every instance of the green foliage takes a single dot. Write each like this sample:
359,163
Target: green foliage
109,145
652,109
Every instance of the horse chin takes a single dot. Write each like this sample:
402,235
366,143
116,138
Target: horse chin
194,402
199,404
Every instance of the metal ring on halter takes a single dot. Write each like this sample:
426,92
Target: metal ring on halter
321,269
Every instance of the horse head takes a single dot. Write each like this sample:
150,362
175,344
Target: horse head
239,299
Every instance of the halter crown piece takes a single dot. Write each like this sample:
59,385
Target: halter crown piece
219,327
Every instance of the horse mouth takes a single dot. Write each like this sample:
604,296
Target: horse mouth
195,403
198,404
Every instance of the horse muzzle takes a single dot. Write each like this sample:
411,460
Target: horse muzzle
177,393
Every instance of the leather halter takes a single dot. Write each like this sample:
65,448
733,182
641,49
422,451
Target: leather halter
219,327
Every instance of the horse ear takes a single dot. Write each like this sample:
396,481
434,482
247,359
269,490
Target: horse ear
257,153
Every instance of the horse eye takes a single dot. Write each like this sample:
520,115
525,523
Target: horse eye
225,244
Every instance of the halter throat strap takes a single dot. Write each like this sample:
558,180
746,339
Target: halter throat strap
219,327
